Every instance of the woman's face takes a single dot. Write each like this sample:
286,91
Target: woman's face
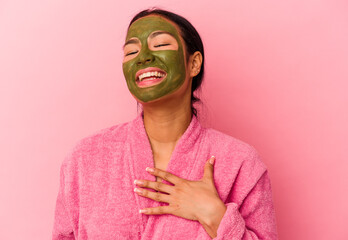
154,59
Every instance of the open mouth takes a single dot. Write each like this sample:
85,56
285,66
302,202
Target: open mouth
149,77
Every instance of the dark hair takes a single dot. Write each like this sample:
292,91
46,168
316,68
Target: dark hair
192,40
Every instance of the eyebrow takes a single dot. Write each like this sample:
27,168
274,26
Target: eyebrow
130,41
152,35
155,34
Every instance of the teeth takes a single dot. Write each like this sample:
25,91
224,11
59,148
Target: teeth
150,74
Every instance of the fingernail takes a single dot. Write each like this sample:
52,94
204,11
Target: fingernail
212,159
138,182
142,211
150,169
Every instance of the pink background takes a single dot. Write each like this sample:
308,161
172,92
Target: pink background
276,77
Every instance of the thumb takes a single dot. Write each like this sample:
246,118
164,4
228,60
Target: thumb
209,169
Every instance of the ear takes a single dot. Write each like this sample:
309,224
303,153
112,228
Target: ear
196,63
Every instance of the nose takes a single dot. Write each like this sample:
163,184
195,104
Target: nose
145,58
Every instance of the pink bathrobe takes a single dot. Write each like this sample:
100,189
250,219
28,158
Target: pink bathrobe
96,200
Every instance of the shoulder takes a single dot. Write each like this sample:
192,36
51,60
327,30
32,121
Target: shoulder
232,150
103,138
97,146
227,142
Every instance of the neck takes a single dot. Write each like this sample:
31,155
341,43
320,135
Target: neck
166,123
167,119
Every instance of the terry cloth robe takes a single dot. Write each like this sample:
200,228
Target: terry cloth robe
96,200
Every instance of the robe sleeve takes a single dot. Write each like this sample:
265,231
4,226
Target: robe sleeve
254,217
62,227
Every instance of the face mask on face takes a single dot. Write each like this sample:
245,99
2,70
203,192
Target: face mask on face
154,62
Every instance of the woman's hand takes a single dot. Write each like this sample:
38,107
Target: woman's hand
193,200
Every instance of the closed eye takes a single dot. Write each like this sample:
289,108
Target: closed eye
161,45
131,53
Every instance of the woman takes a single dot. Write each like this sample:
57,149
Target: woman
188,195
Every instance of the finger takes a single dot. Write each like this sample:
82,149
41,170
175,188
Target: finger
209,169
158,186
157,196
156,210
169,177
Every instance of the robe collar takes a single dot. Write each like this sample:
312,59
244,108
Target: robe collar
181,164
143,156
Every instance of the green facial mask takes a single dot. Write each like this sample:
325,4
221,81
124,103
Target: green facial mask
170,61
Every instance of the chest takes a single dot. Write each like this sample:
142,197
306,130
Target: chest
161,162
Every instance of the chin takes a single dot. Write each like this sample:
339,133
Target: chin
176,95
153,101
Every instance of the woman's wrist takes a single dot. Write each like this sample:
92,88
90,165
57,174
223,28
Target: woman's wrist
211,223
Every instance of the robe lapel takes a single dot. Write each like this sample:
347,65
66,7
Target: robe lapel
181,162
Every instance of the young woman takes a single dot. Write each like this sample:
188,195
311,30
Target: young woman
163,161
